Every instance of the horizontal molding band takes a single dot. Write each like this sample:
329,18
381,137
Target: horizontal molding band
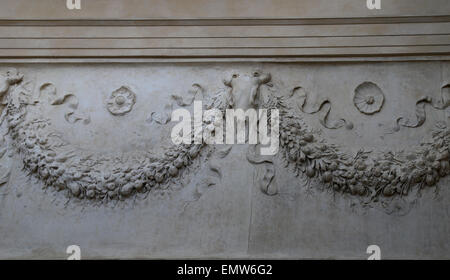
182,60
239,52
223,22
223,43
227,48
217,11
225,37
39,32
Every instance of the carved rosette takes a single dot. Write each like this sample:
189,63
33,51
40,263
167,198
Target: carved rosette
368,98
121,101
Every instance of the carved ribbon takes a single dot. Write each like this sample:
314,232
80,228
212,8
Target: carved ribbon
266,182
442,104
165,117
196,89
330,124
70,116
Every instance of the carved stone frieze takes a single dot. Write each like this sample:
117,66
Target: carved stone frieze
369,175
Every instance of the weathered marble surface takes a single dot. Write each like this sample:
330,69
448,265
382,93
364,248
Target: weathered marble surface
224,213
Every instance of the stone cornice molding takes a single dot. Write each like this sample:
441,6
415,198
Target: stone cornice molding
218,29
